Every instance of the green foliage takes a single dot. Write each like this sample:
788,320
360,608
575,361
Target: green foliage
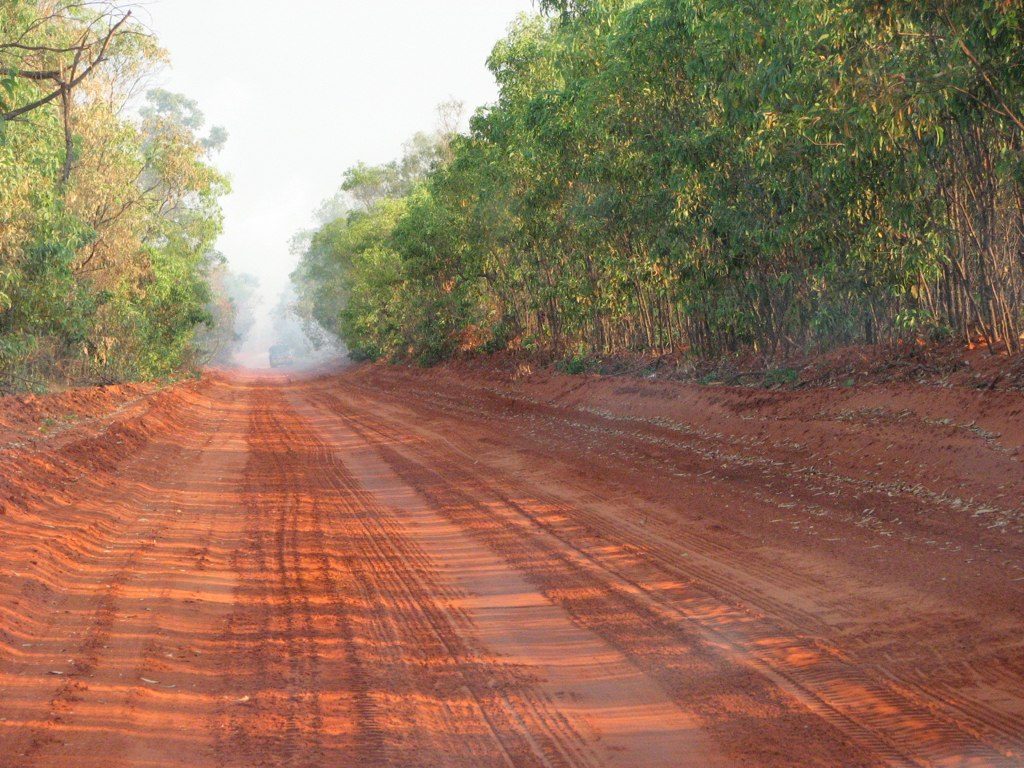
576,364
780,377
710,176
105,255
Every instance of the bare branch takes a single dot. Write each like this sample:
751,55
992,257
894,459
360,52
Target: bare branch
76,78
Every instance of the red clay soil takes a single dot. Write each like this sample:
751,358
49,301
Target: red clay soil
387,567
25,417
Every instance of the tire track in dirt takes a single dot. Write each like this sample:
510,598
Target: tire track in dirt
415,694
419,649
278,640
87,655
1002,672
992,683
896,728
720,456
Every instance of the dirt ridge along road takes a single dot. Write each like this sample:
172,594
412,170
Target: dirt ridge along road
114,587
372,569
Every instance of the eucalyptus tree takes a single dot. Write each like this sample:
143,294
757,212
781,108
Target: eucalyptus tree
717,177
107,219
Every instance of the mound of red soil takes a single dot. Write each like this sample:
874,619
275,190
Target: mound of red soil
33,415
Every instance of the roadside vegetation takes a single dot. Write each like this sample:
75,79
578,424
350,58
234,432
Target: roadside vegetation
108,204
701,176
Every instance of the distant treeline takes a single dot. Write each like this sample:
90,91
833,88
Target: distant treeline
108,204
704,175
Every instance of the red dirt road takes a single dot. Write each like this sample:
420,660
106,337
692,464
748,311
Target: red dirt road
395,568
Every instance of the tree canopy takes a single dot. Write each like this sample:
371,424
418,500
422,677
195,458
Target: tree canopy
107,218
704,175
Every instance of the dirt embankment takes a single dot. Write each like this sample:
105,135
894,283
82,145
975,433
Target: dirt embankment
97,516
62,452
955,447
36,416
46,439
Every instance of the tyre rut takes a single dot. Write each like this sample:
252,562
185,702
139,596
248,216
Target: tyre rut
857,706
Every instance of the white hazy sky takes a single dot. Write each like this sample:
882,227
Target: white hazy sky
309,87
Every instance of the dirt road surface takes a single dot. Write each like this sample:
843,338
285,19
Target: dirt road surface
393,568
